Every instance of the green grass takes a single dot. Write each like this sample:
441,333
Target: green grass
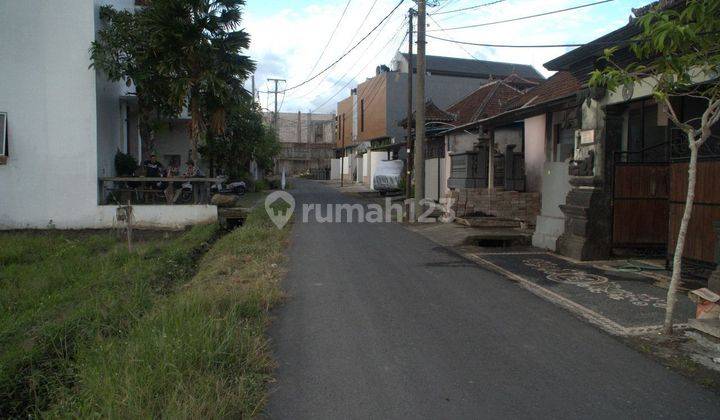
62,293
202,351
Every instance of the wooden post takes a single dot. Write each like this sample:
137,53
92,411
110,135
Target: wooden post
128,225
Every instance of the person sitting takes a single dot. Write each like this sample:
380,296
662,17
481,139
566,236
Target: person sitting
154,169
173,188
192,171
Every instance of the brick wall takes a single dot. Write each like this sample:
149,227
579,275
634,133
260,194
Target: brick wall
513,205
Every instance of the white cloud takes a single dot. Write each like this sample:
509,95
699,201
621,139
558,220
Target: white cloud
287,43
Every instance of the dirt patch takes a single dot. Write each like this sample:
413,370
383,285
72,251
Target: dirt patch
672,352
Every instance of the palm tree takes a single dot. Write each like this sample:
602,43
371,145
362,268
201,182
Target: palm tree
199,44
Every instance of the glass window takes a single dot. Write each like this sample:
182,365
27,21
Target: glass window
647,133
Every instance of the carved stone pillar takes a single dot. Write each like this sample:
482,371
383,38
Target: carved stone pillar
587,223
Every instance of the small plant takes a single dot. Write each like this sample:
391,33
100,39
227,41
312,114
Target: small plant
125,164
261,185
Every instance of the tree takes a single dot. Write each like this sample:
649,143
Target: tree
122,52
201,48
246,138
677,54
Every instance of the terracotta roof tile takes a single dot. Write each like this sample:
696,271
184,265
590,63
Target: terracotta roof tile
433,113
560,85
485,102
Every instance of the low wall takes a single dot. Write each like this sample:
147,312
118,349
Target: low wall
144,217
524,206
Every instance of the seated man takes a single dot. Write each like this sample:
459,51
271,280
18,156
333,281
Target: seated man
154,169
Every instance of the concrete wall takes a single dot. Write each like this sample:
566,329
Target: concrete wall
435,178
55,118
551,221
534,152
460,142
335,169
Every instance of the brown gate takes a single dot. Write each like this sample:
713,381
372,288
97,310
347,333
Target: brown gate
641,205
701,236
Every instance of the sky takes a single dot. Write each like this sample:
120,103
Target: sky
289,36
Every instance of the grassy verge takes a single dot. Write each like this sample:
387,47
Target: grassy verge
62,292
201,352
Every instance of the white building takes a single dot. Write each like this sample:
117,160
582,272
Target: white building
65,122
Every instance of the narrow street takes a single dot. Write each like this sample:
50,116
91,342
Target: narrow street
382,323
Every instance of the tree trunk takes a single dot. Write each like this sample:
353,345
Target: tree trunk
194,125
680,246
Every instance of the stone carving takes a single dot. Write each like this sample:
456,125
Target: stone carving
583,167
593,283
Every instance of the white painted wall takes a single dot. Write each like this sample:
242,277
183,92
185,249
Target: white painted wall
335,169
434,178
534,152
551,221
49,95
64,119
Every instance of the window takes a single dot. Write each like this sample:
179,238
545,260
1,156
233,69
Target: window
319,128
646,133
362,115
3,137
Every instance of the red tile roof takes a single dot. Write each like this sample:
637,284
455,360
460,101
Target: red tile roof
560,85
433,114
485,102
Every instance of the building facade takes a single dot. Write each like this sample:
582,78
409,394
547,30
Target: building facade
65,122
307,141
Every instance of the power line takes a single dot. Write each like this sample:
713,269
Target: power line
348,51
447,3
357,31
397,32
466,8
599,43
523,17
354,65
503,45
331,37
377,88
460,45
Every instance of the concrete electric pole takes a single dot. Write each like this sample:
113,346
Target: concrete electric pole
409,143
419,159
275,115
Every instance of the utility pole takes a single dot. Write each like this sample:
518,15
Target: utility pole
308,135
342,160
275,115
253,86
409,143
419,159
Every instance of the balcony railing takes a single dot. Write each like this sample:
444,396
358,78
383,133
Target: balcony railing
147,190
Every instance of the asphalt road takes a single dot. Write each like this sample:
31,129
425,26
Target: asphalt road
383,323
